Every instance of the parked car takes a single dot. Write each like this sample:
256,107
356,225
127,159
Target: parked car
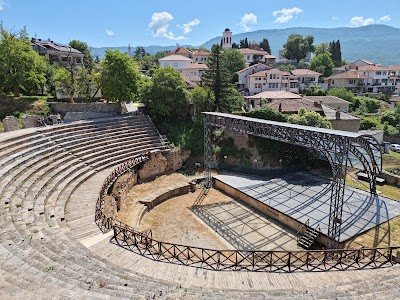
395,147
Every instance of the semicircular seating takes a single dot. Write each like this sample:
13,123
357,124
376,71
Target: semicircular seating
50,247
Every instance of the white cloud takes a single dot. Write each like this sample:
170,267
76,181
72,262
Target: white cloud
109,32
384,19
334,18
159,26
360,21
2,5
286,14
188,27
247,20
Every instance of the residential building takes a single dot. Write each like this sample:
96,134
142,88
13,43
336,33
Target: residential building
200,56
378,81
57,53
242,74
331,101
349,80
182,51
290,103
306,77
195,69
258,100
251,56
271,80
176,61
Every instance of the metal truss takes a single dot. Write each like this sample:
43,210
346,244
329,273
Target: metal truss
341,148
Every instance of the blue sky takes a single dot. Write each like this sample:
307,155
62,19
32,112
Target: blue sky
161,22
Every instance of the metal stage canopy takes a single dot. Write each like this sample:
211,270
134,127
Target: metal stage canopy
341,148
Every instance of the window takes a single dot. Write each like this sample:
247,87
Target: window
352,81
248,57
378,73
333,81
293,85
176,65
273,85
284,85
257,85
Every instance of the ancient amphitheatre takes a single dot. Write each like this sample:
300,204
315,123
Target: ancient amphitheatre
57,181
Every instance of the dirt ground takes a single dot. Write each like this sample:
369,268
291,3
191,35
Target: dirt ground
173,221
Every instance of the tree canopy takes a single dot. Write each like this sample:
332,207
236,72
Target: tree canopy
265,45
120,76
323,64
234,62
297,47
267,113
88,60
309,118
165,95
314,90
21,68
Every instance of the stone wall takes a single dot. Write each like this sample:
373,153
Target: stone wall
122,187
392,139
160,163
95,109
390,178
10,123
77,116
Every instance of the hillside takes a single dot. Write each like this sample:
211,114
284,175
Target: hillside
377,43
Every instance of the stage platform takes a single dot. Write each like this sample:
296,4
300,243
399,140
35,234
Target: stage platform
303,196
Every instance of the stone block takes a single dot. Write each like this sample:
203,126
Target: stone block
10,123
29,121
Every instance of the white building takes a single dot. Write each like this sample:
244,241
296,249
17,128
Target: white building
200,56
176,61
251,56
227,39
195,69
242,74
271,80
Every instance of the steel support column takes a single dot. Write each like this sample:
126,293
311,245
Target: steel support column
207,150
339,170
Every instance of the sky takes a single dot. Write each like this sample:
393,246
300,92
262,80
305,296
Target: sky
106,23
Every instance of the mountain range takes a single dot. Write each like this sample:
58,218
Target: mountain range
376,43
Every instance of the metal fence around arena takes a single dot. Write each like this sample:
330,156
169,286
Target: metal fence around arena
232,260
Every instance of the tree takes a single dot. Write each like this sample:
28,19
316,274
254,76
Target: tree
322,63
244,43
120,76
323,48
217,76
342,93
165,95
297,47
234,61
140,52
88,60
203,98
267,113
336,52
265,45
309,118
314,90
235,46
21,68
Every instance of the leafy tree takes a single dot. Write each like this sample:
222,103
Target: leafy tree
21,68
322,63
217,77
342,93
235,46
160,54
391,117
309,118
265,45
286,67
297,47
314,90
88,60
165,95
234,61
322,49
120,76
267,113
368,123
203,98
140,52
244,43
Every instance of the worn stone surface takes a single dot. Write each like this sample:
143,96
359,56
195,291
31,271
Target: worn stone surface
96,107
29,121
86,115
10,123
